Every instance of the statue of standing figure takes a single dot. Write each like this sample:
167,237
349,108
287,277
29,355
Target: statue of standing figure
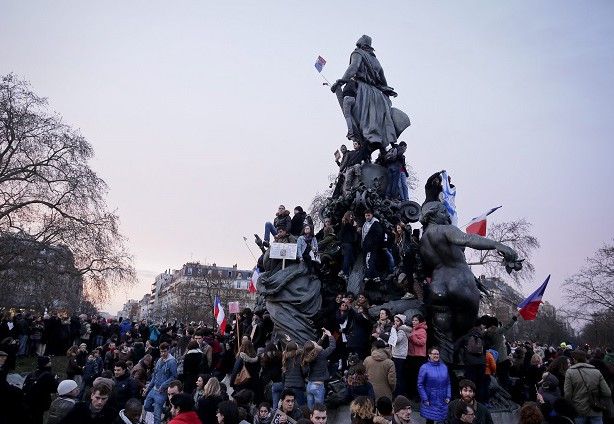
453,297
364,97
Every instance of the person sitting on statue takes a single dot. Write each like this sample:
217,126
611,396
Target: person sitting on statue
372,241
392,162
348,235
352,167
433,188
404,175
307,247
282,219
283,236
404,253
298,220
328,222
339,159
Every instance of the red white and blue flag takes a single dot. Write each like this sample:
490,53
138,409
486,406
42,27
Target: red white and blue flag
320,63
478,224
253,281
218,313
529,307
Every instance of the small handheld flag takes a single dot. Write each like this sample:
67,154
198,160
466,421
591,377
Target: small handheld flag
218,313
478,224
529,307
320,62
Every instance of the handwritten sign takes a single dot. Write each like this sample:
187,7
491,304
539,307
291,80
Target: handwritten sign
233,308
283,251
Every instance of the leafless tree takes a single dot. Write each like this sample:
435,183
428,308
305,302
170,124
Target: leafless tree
517,235
599,330
592,288
49,192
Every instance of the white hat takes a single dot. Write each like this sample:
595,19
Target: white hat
66,386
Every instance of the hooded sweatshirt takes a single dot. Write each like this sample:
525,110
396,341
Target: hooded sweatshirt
380,370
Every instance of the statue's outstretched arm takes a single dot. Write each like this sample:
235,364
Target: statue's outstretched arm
459,238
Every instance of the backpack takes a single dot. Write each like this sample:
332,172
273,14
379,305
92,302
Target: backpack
475,345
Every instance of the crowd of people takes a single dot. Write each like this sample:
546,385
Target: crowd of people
382,368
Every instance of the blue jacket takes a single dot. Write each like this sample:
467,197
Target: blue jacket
124,327
164,372
434,388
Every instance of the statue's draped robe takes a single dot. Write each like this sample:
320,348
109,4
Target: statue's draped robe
371,112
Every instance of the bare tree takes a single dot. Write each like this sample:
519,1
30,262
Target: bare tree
49,191
517,235
591,289
599,330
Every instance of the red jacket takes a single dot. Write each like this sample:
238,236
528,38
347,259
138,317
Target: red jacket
189,417
417,340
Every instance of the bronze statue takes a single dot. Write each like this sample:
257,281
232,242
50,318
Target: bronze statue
363,94
453,297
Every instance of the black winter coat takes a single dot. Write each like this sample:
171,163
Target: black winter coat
374,238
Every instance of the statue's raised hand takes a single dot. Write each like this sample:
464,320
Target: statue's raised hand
337,84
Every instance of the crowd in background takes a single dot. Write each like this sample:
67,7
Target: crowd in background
118,371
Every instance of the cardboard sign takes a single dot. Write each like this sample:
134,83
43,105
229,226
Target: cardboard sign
233,308
283,251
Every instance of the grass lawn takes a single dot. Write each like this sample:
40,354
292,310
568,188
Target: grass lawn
27,365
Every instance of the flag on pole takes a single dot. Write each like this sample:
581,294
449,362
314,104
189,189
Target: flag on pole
320,63
529,307
449,197
253,281
478,224
218,313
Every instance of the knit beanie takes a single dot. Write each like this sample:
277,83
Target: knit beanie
401,317
400,402
66,386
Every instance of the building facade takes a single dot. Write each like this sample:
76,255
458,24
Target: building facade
188,294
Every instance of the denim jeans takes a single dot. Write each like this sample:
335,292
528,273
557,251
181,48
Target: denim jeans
589,420
394,173
403,187
315,394
23,345
276,390
154,402
268,230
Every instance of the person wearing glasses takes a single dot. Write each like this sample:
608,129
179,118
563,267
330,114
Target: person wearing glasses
434,388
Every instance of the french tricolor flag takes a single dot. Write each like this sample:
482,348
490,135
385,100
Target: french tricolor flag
478,224
529,307
253,281
218,313
320,64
